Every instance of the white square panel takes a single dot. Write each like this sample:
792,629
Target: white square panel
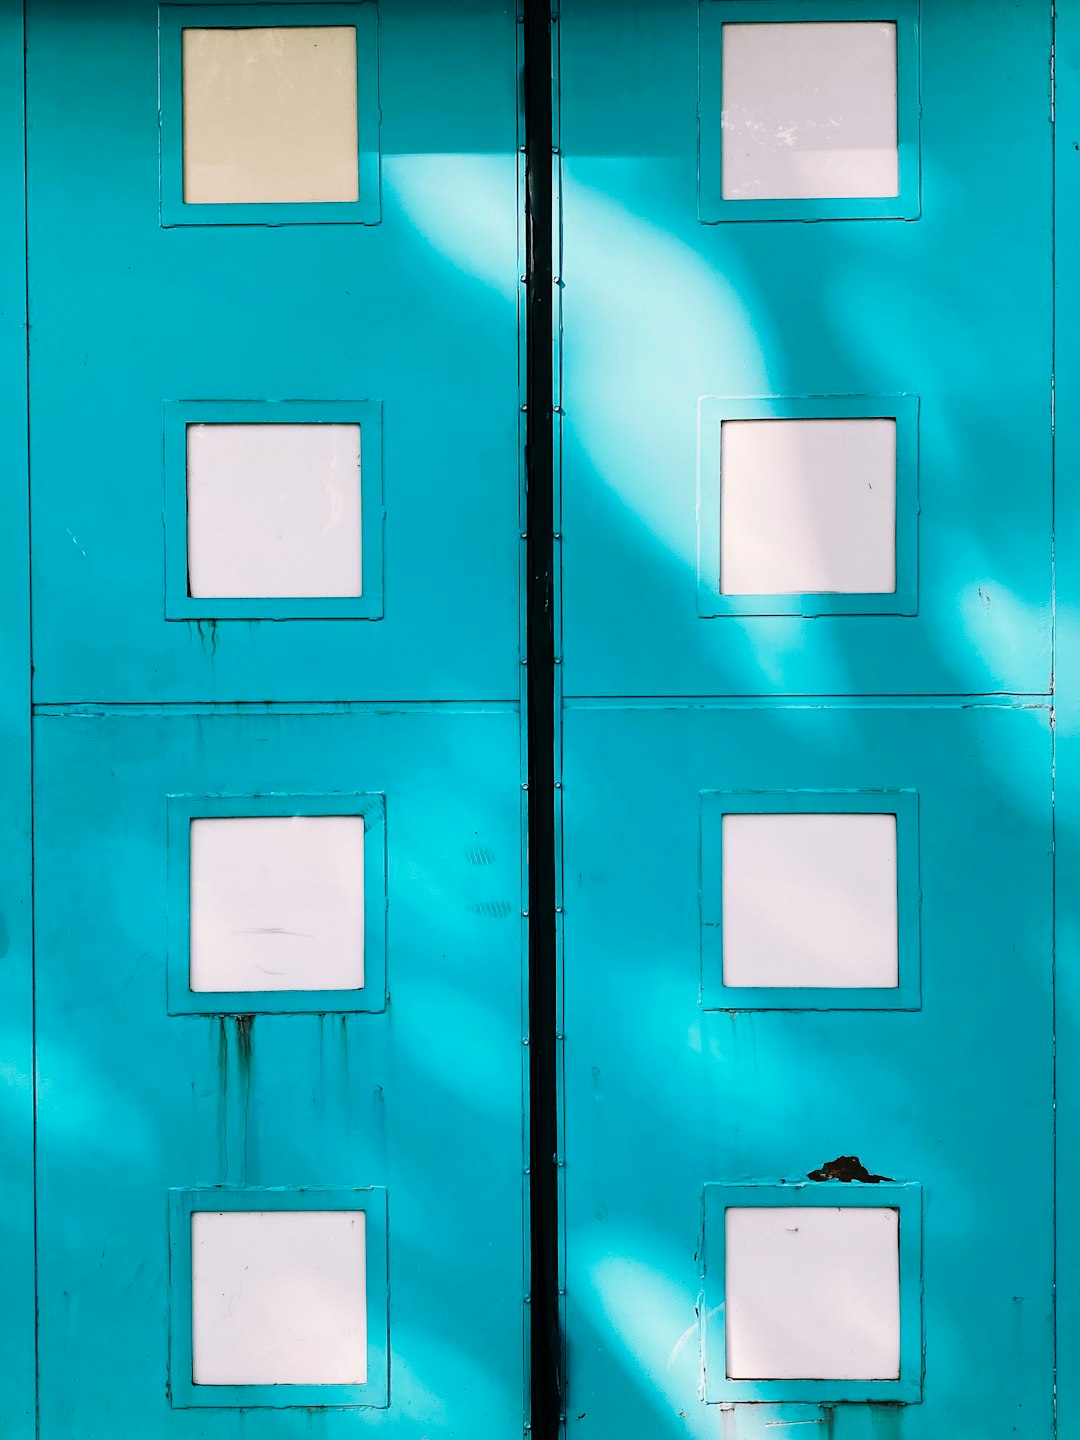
808,506
810,900
279,1297
809,110
812,1293
274,510
270,115
277,903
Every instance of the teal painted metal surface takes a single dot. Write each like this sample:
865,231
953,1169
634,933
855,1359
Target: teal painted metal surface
17,1379
417,313
665,1097
154,708
666,1100
659,310
1067,703
423,1100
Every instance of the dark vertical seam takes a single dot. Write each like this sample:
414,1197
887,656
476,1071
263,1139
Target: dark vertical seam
545,1345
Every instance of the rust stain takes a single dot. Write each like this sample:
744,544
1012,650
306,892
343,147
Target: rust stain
245,1027
245,1040
886,1419
208,635
847,1168
223,1092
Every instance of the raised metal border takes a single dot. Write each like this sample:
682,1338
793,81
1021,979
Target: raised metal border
904,804
370,999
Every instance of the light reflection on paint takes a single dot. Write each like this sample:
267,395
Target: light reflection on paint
458,204
632,316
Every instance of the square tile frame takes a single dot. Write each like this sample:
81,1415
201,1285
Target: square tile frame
713,15
179,414
182,1000
713,410
362,15
720,1197
715,804
184,1393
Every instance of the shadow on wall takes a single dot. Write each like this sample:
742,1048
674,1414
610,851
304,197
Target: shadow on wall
661,1098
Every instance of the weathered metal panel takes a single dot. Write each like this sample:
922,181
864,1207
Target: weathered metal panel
660,310
400,706
417,313
673,704
423,1100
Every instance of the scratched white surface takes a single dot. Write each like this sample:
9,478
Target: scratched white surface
277,903
808,506
809,110
810,900
813,1294
274,510
279,1297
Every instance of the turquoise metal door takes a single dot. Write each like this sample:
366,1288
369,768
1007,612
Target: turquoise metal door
276,483
743,1092
806,298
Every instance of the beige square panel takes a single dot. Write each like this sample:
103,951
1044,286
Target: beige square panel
270,115
809,110
277,903
808,507
813,1293
279,1297
810,900
274,510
